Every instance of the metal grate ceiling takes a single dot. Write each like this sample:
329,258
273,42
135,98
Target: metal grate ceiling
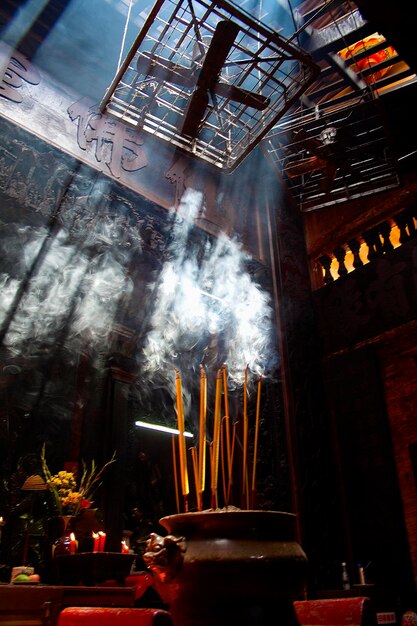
209,79
350,51
358,67
264,89
331,155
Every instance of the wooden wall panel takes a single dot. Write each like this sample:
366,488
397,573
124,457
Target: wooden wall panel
399,367
375,525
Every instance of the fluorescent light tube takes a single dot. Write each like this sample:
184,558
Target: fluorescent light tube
163,429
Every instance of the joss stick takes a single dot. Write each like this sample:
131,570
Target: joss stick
222,427
255,442
232,454
227,422
245,435
195,471
216,441
211,456
246,489
202,439
181,441
174,462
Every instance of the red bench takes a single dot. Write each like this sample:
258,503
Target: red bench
98,616
333,612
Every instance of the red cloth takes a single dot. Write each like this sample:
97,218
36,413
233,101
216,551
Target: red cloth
140,581
98,616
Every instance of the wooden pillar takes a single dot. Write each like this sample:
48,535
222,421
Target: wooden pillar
115,440
315,493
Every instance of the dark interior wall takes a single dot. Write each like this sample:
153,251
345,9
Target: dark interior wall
366,323
70,241
399,373
375,528
77,256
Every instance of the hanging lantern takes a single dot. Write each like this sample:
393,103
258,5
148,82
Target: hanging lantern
370,61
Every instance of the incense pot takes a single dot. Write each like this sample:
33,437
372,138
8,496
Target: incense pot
221,567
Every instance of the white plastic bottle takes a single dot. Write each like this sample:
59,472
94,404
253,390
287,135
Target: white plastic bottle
345,577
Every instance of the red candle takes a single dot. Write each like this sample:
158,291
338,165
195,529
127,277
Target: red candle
96,538
102,541
73,544
125,547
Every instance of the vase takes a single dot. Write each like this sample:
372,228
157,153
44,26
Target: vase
223,567
62,527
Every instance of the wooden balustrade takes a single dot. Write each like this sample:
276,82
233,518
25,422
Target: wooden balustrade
368,246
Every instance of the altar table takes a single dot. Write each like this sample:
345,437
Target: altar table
40,605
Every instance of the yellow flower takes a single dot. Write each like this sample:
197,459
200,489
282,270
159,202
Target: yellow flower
68,497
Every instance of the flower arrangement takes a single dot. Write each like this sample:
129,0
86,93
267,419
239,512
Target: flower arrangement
69,495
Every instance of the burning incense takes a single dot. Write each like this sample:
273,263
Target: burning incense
221,450
227,429
194,459
255,443
181,440
174,462
222,458
245,440
232,454
202,439
216,441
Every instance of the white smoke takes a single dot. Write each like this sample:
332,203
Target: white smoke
205,307
69,296
205,300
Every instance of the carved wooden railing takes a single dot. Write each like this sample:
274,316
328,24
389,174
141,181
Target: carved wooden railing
368,246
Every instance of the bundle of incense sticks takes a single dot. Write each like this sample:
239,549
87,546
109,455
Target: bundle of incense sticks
222,447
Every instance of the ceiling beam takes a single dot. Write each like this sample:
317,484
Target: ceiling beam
340,34
352,78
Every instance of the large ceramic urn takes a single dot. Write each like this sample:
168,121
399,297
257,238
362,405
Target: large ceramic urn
228,567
